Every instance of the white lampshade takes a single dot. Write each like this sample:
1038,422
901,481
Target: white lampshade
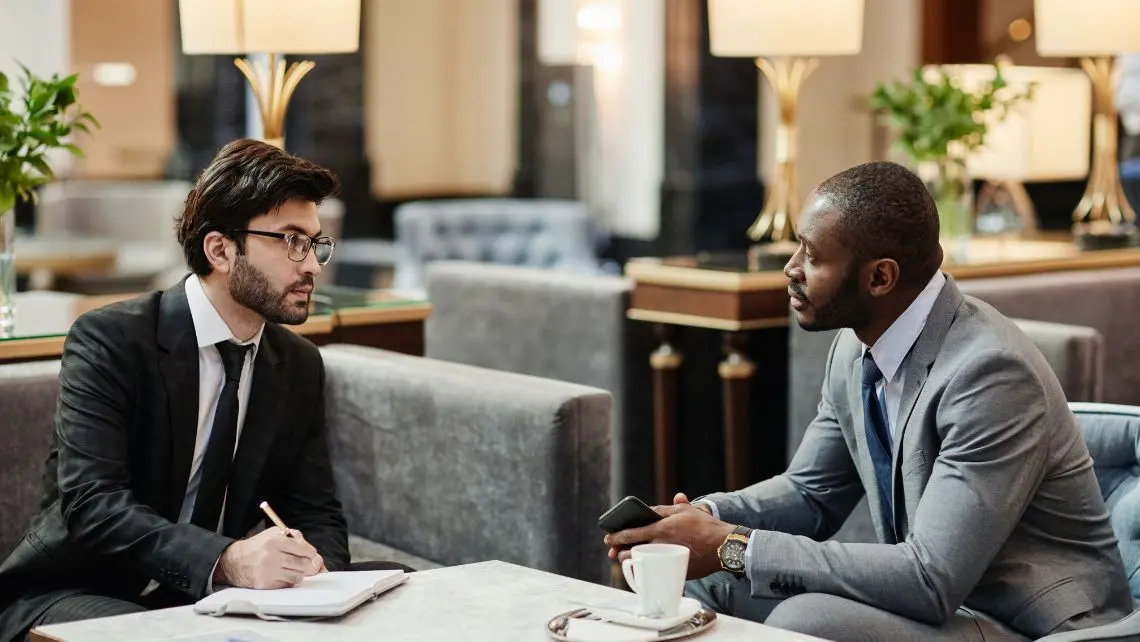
1087,27
1045,138
754,28
269,26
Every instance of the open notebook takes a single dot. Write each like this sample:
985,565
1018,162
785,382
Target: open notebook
324,595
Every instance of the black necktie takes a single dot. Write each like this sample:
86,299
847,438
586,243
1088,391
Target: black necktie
878,440
215,471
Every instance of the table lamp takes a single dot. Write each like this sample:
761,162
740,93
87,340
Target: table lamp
784,37
1095,30
1043,138
272,27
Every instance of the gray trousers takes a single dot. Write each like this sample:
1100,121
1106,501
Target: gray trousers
837,618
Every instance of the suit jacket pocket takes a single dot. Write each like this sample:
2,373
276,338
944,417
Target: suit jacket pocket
1050,607
916,461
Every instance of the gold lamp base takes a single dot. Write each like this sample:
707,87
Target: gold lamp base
1104,208
775,226
273,86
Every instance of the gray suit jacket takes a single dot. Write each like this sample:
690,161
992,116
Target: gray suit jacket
996,505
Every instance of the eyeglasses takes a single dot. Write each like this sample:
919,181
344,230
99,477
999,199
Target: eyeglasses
299,244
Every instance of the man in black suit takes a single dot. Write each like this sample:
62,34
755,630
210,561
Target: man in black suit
180,411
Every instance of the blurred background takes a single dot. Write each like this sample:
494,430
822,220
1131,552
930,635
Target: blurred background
600,192
620,105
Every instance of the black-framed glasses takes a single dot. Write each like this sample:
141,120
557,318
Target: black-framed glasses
300,243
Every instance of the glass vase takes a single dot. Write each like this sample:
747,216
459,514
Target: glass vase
953,191
7,274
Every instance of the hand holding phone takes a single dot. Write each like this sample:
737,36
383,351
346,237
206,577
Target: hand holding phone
630,512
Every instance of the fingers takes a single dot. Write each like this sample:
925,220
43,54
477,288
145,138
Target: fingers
624,555
680,498
300,554
631,536
298,546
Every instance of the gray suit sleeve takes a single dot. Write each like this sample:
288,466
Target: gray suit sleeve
993,419
817,492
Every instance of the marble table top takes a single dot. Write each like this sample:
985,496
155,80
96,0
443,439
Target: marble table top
488,601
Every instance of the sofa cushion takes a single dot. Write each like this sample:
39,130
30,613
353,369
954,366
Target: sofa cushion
459,464
1112,433
28,393
363,550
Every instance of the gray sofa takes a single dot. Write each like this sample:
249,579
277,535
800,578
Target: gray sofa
1107,301
562,326
436,463
547,233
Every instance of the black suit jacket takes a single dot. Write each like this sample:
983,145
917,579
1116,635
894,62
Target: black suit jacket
116,476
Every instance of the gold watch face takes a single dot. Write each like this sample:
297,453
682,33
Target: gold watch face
732,554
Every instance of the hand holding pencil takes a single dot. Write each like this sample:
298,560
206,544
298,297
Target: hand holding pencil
272,514
277,557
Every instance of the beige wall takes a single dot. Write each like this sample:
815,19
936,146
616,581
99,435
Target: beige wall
835,130
440,95
139,124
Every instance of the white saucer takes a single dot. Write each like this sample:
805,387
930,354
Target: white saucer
629,617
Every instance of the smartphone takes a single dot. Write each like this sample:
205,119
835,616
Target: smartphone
630,512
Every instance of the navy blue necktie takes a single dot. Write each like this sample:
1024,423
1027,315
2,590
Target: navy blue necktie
878,439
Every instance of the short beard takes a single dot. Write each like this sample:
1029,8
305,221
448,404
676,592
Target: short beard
250,287
845,309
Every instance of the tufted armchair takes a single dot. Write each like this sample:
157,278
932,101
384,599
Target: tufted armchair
547,233
1112,433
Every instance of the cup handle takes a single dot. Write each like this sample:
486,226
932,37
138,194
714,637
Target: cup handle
627,571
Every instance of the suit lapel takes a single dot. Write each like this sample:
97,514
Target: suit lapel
179,367
919,361
866,466
258,433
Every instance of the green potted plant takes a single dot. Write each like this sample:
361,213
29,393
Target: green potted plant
937,124
41,117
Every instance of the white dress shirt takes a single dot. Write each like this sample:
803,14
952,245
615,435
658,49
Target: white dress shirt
210,329
889,353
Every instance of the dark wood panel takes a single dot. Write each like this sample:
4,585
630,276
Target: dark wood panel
407,337
951,31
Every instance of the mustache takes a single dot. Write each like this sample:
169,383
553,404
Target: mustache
797,289
302,283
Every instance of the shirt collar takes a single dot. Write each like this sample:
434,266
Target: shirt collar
209,327
893,346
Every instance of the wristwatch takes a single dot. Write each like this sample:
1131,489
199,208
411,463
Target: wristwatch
731,551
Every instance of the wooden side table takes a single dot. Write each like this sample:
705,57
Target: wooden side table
710,292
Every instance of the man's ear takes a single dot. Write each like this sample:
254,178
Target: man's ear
220,251
884,277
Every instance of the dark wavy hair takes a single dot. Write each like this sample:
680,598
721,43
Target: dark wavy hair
246,178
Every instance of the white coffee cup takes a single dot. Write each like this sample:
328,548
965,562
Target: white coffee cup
656,572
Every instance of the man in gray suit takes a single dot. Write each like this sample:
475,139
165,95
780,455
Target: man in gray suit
989,517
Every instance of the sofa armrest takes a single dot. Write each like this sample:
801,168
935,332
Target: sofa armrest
460,464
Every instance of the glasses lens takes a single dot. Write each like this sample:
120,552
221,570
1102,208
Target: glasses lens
298,246
324,250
